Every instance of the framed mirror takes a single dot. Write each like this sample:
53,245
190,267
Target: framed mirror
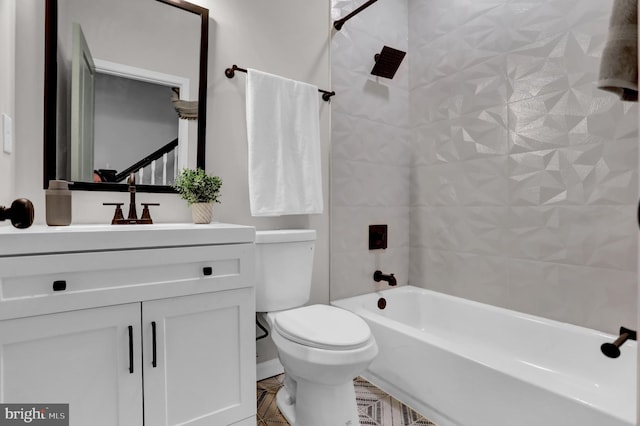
125,92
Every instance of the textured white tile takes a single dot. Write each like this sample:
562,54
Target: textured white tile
523,182
476,230
532,233
346,187
480,90
358,183
597,298
419,226
431,20
470,183
370,97
537,20
569,176
350,230
560,63
597,236
361,139
601,236
480,278
429,103
541,123
476,135
424,139
352,272
581,174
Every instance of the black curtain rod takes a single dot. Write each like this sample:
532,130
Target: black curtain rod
231,72
340,22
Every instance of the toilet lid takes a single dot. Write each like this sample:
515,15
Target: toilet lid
323,326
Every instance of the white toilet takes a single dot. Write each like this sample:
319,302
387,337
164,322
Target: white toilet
322,348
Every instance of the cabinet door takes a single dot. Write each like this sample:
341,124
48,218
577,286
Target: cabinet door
204,371
81,358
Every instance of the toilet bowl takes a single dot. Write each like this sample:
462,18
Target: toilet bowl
322,348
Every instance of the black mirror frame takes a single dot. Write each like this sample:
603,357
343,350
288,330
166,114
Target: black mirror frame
50,99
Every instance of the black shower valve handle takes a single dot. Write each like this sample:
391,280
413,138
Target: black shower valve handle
20,213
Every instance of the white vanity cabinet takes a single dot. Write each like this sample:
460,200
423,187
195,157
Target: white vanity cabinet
183,382
78,357
131,332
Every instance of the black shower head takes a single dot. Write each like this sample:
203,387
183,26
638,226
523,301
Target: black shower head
387,62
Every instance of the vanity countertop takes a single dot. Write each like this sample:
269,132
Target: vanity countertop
42,239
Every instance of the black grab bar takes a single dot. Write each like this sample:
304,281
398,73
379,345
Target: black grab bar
612,350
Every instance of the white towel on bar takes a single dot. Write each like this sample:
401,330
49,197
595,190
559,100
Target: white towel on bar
283,129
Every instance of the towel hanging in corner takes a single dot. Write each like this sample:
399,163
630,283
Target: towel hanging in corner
619,64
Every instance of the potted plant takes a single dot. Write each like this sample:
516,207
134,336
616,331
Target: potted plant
200,190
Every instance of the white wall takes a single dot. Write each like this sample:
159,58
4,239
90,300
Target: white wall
7,95
371,150
525,176
285,37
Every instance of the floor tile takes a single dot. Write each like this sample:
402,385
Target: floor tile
375,407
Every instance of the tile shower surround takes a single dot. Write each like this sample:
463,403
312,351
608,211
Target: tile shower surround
371,148
522,175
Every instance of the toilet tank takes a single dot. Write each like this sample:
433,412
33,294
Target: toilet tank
284,264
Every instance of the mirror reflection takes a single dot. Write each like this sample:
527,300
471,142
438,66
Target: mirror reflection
137,119
128,91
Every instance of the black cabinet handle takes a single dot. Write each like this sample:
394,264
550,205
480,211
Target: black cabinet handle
154,359
59,285
207,270
130,349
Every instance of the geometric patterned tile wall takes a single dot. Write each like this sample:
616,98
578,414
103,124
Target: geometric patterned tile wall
524,178
371,148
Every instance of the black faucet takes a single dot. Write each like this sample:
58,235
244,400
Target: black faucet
132,218
133,214
379,276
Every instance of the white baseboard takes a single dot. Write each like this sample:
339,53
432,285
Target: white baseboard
268,369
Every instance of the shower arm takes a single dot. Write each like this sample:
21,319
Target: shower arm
340,22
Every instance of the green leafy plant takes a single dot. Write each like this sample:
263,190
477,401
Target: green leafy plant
196,186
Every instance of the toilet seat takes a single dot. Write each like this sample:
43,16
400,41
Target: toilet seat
323,327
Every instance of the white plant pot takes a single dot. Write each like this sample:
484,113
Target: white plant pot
202,212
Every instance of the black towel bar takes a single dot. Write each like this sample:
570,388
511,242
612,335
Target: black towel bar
231,72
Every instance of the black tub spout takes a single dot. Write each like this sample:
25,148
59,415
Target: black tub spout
379,276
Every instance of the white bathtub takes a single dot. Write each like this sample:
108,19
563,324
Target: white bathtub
460,362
